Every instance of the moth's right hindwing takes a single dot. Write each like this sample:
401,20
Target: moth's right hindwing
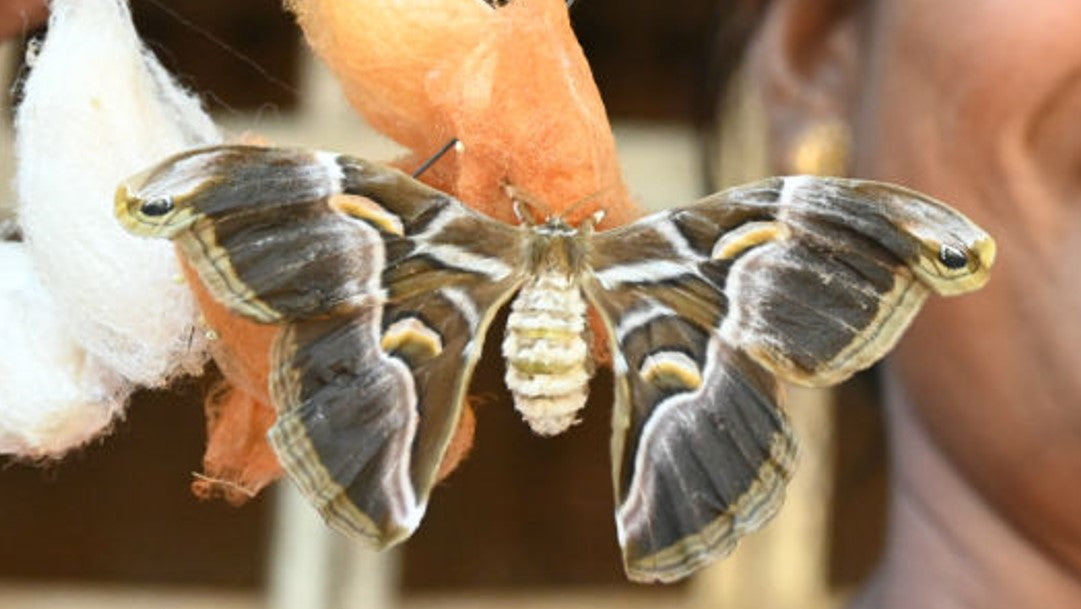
387,287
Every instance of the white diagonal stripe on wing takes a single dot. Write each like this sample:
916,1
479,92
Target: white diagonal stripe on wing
464,304
458,258
641,316
679,243
648,271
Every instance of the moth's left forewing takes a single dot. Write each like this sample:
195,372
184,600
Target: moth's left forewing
260,228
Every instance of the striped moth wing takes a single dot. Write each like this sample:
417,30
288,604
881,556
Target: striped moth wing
384,288
800,279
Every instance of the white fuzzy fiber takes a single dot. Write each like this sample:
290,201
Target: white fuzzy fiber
53,394
97,108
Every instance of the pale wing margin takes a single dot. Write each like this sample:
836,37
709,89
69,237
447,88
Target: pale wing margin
346,421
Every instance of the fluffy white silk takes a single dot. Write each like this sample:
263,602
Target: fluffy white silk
107,306
53,394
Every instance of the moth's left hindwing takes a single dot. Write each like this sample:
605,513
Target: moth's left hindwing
806,279
387,287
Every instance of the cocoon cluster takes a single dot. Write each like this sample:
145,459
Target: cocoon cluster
89,311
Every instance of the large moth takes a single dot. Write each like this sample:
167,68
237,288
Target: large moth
385,288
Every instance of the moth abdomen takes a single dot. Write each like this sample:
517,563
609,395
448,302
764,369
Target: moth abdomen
547,354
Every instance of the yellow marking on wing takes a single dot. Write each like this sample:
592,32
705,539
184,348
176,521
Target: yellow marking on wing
366,209
412,338
128,203
671,369
735,242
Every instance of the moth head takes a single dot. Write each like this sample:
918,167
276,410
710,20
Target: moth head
158,201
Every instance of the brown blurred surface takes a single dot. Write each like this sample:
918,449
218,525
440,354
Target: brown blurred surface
241,55
111,597
650,60
121,511
857,515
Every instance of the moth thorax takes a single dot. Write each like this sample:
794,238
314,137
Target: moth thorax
547,352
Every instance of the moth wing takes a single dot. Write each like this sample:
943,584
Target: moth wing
367,408
825,278
279,234
701,450
819,276
386,288
369,403
802,278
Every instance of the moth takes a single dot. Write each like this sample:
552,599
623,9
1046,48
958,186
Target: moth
385,288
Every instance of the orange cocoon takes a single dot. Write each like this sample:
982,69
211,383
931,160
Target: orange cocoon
238,461
512,84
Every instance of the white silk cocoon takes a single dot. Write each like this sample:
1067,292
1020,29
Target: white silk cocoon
97,108
53,394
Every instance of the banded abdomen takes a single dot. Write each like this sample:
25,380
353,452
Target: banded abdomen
547,352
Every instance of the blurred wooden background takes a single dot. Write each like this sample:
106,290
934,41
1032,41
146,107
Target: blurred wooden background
523,512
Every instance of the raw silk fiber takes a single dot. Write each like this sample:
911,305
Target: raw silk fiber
511,83
91,312
53,393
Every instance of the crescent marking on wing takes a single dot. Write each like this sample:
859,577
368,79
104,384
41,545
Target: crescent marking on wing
671,369
411,335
